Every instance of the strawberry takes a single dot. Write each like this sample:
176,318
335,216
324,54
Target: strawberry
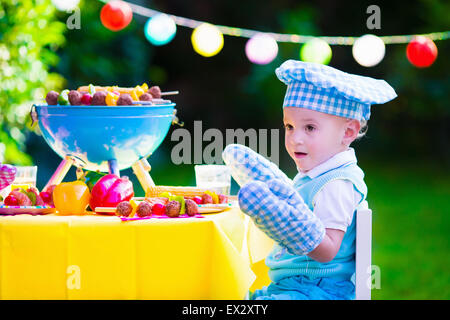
22,198
39,201
86,99
223,198
159,209
197,200
47,195
10,200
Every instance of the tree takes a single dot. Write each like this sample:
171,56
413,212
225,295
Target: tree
29,36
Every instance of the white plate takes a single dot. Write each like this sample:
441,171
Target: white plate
7,210
213,208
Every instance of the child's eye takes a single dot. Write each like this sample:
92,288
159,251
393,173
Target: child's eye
310,128
288,127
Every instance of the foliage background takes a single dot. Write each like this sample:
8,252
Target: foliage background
405,154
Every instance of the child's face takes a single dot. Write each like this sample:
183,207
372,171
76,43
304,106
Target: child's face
313,137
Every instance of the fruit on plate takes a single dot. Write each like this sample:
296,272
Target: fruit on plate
36,199
75,97
159,209
145,97
207,198
124,209
144,209
52,98
158,205
111,99
86,99
110,190
101,96
21,197
191,207
223,198
215,197
125,100
178,198
155,200
155,91
173,209
71,198
98,99
181,201
136,93
63,98
197,200
47,195
10,200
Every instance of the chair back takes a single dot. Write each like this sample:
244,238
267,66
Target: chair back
363,255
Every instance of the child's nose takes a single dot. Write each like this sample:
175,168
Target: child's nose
297,138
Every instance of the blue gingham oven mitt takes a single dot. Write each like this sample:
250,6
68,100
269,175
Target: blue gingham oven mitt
268,197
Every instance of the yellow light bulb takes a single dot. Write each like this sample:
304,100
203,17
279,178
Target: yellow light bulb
207,40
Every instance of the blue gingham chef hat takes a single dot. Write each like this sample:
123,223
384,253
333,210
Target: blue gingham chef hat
322,88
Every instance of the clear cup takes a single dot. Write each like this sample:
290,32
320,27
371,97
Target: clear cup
214,177
25,177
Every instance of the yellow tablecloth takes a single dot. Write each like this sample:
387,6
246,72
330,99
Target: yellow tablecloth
220,256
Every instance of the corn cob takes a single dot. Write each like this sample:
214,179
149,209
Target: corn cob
154,191
123,90
98,88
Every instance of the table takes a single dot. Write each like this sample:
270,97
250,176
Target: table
220,256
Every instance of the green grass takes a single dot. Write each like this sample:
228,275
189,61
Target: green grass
411,224
411,227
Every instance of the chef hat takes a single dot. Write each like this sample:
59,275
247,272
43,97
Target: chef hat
322,88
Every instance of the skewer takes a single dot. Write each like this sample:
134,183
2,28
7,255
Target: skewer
160,101
149,103
122,90
169,93
153,102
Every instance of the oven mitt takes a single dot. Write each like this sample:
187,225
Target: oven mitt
279,211
246,165
7,175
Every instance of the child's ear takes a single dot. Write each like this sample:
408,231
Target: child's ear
352,128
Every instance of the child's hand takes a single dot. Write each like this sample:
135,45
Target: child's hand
281,213
247,165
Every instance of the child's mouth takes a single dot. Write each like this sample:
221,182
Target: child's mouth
300,155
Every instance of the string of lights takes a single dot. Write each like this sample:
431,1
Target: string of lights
262,47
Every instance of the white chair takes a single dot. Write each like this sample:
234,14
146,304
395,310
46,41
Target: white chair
363,255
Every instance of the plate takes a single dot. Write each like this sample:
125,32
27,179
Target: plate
202,208
213,208
12,210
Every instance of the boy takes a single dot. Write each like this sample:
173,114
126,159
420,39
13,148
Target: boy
311,218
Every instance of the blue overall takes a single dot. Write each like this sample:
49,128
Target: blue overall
299,277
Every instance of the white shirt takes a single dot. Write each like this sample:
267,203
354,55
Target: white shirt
336,202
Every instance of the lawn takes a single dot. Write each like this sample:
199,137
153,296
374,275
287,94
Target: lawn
411,227
411,224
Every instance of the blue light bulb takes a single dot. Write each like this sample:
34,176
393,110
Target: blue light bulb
160,29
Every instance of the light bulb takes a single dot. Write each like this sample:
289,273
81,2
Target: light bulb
368,50
261,49
207,40
160,29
